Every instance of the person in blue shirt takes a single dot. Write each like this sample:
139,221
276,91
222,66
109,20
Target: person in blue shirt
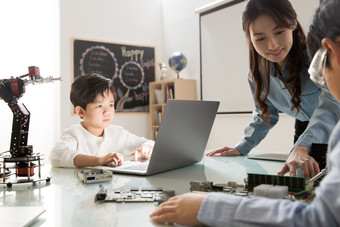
279,81
219,209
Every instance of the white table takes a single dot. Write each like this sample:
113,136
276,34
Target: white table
71,203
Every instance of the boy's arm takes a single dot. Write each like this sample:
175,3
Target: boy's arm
64,151
82,160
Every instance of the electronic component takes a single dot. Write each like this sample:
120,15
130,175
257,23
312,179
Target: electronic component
271,191
295,184
207,186
318,176
143,195
270,186
89,176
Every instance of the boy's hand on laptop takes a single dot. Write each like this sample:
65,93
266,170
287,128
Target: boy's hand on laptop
225,151
142,153
113,159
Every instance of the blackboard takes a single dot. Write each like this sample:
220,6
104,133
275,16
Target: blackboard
131,68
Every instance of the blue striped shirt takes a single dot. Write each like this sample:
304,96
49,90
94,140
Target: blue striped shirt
317,106
220,209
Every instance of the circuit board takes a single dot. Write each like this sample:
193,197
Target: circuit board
299,188
134,195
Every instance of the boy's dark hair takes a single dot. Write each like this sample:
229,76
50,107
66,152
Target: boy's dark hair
85,88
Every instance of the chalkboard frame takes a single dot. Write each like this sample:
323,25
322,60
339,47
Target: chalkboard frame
131,67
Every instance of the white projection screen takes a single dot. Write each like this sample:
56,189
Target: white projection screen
224,53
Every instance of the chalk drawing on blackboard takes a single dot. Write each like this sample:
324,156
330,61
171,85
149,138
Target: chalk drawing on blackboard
99,59
131,67
124,98
131,76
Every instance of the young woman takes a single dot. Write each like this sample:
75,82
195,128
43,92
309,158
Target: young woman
279,81
218,209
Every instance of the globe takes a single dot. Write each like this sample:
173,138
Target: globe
177,62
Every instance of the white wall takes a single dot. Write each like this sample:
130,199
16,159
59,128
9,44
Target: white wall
181,33
30,36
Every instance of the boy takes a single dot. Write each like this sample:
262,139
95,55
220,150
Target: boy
95,141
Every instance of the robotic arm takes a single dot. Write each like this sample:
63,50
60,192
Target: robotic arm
10,91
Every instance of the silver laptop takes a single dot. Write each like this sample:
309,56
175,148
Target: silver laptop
181,139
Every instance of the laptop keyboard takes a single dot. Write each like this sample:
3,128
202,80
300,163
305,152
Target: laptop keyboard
140,167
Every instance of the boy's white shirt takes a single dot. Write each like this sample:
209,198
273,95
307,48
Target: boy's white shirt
77,140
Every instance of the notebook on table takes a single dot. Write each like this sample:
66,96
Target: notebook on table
181,139
281,157
19,215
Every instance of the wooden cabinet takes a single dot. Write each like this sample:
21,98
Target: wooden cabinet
160,92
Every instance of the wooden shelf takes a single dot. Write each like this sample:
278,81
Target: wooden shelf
161,91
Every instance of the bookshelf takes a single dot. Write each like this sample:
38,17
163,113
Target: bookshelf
161,91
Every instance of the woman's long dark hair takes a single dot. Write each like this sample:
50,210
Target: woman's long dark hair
285,16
